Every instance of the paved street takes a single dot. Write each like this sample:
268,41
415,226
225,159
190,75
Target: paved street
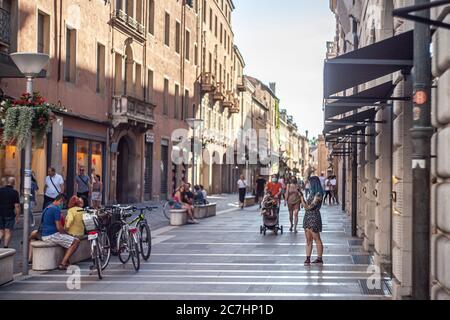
224,257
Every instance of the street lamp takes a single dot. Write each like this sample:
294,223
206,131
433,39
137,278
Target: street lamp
194,124
30,64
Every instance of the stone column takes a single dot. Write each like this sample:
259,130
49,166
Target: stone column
57,140
440,224
383,187
369,207
362,180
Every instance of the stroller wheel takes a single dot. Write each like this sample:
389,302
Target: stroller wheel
264,231
281,229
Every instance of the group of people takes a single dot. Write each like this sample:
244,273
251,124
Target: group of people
184,198
296,195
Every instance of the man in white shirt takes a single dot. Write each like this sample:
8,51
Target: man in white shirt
322,180
54,186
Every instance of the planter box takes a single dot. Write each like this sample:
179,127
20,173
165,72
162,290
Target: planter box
47,256
178,217
6,265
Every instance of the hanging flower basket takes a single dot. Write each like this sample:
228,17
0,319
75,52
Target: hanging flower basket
28,116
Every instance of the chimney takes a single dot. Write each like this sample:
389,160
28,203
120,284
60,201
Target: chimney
307,133
273,87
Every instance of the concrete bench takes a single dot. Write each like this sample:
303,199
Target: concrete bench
6,265
178,217
47,256
205,211
249,201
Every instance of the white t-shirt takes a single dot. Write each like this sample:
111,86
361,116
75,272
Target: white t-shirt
333,182
50,191
242,184
327,186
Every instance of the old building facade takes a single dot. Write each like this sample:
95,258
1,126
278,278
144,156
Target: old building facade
377,159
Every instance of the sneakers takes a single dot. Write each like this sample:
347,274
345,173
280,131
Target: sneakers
307,262
193,221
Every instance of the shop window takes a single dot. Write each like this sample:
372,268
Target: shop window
82,154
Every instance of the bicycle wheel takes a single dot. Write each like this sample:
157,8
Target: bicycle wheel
166,210
123,249
135,256
105,249
96,261
145,241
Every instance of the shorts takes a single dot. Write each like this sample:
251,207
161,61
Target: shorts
7,222
96,196
64,240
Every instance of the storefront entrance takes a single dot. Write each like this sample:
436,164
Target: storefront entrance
126,167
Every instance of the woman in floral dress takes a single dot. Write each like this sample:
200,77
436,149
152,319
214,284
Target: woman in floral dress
312,221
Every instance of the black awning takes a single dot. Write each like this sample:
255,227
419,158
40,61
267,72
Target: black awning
8,68
359,120
372,96
368,63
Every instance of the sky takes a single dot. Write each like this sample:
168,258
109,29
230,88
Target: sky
284,41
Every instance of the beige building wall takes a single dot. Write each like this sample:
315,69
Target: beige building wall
440,222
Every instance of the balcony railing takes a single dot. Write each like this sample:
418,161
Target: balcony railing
207,82
236,106
5,27
128,21
240,85
128,109
219,92
229,100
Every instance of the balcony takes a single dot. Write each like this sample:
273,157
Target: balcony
129,110
235,108
219,92
229,100
5,28
207,82
124,21
240,85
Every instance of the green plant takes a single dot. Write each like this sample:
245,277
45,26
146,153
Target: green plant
24,118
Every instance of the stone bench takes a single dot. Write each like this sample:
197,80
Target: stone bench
205,211
47,256
249,201
178,217
6,265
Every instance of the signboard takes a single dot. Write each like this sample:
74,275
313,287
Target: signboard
149,137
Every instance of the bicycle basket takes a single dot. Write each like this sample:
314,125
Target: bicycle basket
89,222
104,218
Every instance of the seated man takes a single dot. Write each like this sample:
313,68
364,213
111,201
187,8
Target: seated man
198,196
53,230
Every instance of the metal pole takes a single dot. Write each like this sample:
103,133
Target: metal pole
354,189
193,154
421,133
27,193
344,178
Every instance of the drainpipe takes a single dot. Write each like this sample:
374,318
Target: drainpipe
421,133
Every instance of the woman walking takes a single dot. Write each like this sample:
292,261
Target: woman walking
312,222
242,186
294,200
97,191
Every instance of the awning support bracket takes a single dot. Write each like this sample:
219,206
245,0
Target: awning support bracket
406,13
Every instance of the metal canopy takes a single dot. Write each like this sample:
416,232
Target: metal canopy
360,120
406,13
368,63
372,96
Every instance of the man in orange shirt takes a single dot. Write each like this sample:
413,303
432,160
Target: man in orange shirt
274,187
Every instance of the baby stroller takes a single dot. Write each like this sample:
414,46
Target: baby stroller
270,212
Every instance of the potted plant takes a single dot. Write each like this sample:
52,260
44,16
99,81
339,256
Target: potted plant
28,116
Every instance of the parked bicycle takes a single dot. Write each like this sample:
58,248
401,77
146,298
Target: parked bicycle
144,233
127,239
100,244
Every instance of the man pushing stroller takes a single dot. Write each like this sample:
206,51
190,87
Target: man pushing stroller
273,194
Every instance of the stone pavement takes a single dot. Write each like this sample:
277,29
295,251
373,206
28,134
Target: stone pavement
157,220
225,257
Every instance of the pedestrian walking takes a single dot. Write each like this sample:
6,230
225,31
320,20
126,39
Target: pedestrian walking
54,186
327,191
334,190
259,187
294,201
34,189
83,186
9,211
322,180
242,186
97,192
312,221
275,188
53,230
